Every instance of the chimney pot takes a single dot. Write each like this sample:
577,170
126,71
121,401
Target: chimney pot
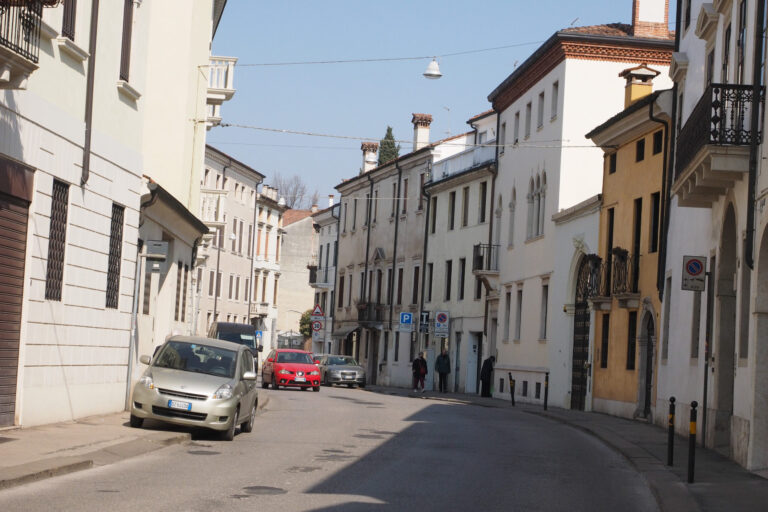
639,83
650,18
421,124
369,155
330,200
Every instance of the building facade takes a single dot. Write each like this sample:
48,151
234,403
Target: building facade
295,295
322,275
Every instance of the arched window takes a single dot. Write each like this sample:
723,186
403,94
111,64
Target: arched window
529,224
542,202
536,207
511,240
497,226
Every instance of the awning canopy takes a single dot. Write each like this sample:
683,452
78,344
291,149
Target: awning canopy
344,330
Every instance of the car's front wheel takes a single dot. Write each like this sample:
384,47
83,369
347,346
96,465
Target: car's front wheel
248,425
264,383
275,385
136,422
229,434
316,389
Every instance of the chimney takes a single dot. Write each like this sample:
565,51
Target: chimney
330,200
313,208
639,83
650,18
421,124
369,156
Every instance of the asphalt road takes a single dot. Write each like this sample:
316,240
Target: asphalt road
350,450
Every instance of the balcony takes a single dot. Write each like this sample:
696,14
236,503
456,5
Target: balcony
616,277
19,41
370,314
260,309
464,161
320,278
212,203
485,265
713,145
221,73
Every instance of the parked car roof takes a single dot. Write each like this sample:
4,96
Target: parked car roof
207,341
235,327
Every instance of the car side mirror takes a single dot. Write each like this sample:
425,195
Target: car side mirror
249,376
145,359
269,359
260,348
317,361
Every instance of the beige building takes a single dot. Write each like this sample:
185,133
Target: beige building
322,275
295,295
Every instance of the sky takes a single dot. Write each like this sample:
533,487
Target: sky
361,99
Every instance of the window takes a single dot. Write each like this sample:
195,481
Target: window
247,290
502,137
605,336
433,215
237,288
478,288
390,290
399,286
385,356
397,346
655,207
538,390
430,270
741,42
277,248
367,216
148,289
451,211
183,317
525,388
679,121
609,248
544,305
264,288
465,207
274,296
57,239
394,199
234,232
115,254
519,313
354,214
218,284
640,150
349,294
517,127
231,286
483,136
344,229
125,53
631,340
361,294
415,286
528,120
636,243
258,241
240,239
687,15
511,240
710,71
375,205
179,268
726,56
421,195
507,315
250,240
68,25
658,142
696,325
540,113
483,200
405,196
612,163
554,100
341,292
448,271
462,276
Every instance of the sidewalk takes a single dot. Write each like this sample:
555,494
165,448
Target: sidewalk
719,484
35,453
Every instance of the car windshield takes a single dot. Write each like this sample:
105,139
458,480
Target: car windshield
294,357
192,357
243,338
341,361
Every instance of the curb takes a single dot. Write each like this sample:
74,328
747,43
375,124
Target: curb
48,468
670,492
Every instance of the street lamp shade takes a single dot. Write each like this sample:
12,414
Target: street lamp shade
433,70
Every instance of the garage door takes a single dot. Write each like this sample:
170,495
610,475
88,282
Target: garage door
13,240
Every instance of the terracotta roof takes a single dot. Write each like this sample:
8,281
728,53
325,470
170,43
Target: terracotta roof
292,216
609,29
480,116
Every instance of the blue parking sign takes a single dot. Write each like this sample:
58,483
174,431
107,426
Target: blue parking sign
258,335
406,322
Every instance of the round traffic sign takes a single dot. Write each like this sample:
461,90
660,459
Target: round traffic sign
694,267
442,318
317,325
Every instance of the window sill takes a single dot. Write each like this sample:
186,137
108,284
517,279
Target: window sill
534,239
540,127
543,340
419,211
553,118
403,216
69,47
743,362
510,247
126,90
505,342
47,32
516,341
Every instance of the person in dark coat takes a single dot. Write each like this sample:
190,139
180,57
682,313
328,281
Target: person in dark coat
486,374
443,368
419,368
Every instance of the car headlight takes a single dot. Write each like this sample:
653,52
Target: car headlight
223,392
335,372
285,372
314,372
147,382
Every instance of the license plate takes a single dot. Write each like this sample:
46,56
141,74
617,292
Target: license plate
176,404
300,379
349,377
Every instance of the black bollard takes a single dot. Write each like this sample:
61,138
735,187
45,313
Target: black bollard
692,442
546,390
512,388
671,432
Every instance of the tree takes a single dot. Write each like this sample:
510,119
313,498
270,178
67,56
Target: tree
388,150
294,190
305,324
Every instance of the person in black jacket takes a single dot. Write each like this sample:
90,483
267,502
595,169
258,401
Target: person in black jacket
486,374
443,368
419,368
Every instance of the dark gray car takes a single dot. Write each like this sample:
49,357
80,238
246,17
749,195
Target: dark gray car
341,370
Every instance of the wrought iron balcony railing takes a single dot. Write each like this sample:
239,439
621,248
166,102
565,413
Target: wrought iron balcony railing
20,27
485,258
370,312
624,272
721,117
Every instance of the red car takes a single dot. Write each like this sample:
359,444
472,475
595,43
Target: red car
290,368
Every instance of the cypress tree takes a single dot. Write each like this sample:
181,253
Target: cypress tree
388,150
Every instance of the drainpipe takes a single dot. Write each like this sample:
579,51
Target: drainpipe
367,253
335,270
495,173
219,242
134,325
662,268
89,92
664,171
427,213
754,126
390,286
253,233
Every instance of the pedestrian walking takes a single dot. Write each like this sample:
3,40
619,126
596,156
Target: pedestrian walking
443,368
419,368
486,374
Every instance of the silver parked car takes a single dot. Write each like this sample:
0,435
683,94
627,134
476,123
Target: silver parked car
198,382
341,370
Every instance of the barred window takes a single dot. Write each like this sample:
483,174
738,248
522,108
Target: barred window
57,240
184,298
179,266
115,254
147,287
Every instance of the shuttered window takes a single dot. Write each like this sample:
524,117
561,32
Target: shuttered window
57,239
115,254
68,24
125,54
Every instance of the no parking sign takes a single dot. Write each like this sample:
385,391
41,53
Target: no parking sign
441,324
694,273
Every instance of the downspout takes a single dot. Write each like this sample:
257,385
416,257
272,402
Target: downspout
335,271
252,278
390,287
662,267
89,92
217,280
367,241
134,325
427,213
664,171
757,100
495,172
